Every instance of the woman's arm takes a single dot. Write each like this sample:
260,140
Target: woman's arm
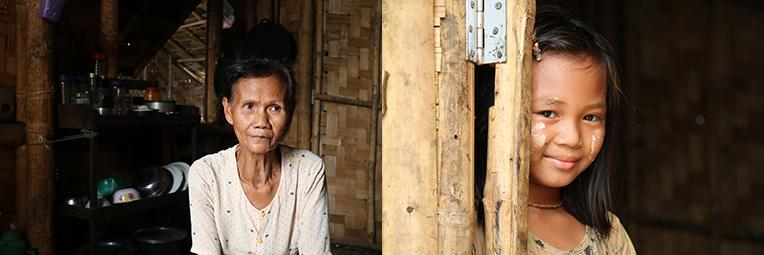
204,237
313,223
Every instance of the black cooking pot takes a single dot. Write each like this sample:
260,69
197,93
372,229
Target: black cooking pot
161,240
113,247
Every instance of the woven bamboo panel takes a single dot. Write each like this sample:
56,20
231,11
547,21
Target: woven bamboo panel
737,115
696,157
346,150
349,41
349,71
668,242
741,248
289,17
669,176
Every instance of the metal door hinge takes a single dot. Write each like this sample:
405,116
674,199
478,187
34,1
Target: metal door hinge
486,31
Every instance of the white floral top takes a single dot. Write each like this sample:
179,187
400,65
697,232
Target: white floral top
223,221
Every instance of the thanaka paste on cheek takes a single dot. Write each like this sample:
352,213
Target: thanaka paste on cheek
595,137
538,139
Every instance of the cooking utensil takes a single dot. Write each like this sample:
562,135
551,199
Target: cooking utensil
153,182
115,247
160,240
161,106
126,195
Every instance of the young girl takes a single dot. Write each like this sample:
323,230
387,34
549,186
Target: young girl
577,141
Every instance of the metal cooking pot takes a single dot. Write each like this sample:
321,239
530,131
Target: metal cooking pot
161,106
116,247
161,240
153,182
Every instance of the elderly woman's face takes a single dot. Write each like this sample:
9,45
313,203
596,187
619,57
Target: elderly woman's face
257,113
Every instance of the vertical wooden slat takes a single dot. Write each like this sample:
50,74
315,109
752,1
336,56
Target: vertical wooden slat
374,141
21,51
318,68
109,35
506,188
214,25
250,15
409,170
455,132
21,84
303,68
21,185
39,117
264,9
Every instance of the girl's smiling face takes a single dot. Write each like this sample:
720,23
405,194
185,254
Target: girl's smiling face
568,117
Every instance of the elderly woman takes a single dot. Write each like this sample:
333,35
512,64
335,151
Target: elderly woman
259,197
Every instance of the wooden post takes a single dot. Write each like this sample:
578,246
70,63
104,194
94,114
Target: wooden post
214,25
506,188
409,138
21,70
301,122
109,35
39,117
456,211
264,10
250,15
21,186
318,53
21,87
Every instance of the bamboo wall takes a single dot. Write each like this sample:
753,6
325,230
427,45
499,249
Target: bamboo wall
346,116
695,179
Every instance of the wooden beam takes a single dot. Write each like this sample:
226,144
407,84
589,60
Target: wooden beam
409,138
193,24
506,188
39,119
214,25
109,35
301,123
456,123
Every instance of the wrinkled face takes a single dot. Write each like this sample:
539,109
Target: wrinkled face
257,113
568,118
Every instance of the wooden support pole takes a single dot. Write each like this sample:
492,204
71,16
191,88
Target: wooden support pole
109,35
21,70
39,118
303,67
318,61
214,25
21,187
409,138
506,188
250,15
456,211
264,10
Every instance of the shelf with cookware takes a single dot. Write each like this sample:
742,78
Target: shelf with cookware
134,165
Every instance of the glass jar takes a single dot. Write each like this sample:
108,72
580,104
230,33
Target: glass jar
151,94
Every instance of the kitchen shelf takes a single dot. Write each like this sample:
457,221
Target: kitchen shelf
117,211
80,116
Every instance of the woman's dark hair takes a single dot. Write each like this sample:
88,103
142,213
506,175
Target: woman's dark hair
589,196
256,67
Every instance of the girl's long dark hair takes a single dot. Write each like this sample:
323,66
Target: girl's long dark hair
588,197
